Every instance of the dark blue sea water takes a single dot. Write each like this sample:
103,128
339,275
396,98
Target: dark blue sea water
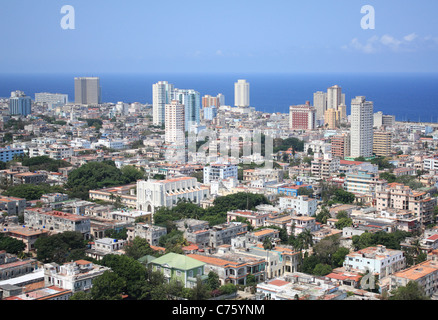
408,96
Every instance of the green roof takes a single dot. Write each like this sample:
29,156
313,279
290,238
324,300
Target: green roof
178,261
146,259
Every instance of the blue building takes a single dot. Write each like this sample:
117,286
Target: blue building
210,113
292,190
7,154
20,104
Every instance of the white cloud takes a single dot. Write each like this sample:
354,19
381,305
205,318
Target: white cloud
411,37
387,42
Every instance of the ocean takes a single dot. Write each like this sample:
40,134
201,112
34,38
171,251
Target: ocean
408,96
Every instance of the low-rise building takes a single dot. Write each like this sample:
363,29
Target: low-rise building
424,274
152,194
299,286
377,260
102,247
181,268
151,233
303,205
223,233
255,218
301,223
74,276
12,267
57,221
232,268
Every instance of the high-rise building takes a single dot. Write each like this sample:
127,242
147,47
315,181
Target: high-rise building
209,101
340,146
51,99
191,100
88,90
162,94
382,143
221,98
20,104
381,119
302,117
361,127
241,94
320,104
332,118
334,97
175,123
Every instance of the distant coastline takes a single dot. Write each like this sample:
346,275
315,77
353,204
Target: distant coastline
409,96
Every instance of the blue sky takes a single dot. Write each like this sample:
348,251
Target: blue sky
218,36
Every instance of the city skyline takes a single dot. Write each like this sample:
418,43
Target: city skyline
242,36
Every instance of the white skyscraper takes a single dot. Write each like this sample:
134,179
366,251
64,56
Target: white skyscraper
320,104
334,97
162,94
191,100
88,90
241,94
361,128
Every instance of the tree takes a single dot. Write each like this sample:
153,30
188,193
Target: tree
97,175
343,223
388,177
108,286
267,243
307,237
130,270
11,245
322,269
326,248
81,296
228,288
200,290
343,196
213,280
323,215
61,247
303,191
138,248
339,256
412,291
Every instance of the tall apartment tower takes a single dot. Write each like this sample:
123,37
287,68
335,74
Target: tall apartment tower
221,98
320,104
20,104
88,90
335,97
209,101
175,123
162,93
302,117
241,94
191,100
361,127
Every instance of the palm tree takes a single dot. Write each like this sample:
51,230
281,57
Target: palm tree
307,238
267,243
